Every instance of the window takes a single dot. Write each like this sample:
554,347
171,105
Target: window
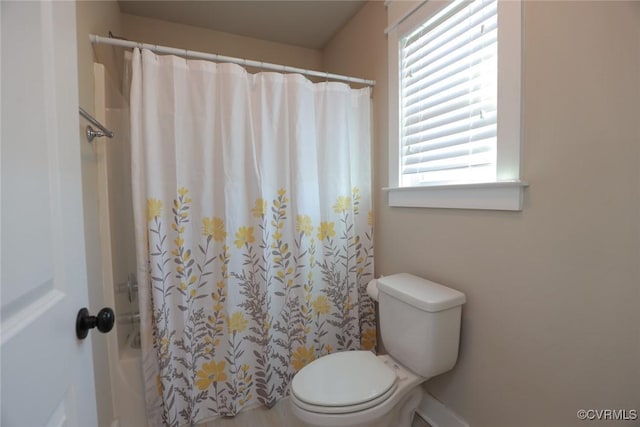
455,106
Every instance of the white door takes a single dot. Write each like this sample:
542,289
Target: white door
47,373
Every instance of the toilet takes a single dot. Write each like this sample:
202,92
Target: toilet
420,328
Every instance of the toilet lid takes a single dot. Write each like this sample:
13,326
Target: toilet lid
343,379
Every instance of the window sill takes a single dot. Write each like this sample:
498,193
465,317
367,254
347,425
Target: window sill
501,195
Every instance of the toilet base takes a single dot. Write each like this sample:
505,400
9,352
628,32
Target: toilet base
401,415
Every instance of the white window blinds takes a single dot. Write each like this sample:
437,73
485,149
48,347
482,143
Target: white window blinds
448,96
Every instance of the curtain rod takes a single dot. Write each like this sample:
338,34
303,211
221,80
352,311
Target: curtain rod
95,39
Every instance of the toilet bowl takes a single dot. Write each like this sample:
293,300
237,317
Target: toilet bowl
420,328
362,390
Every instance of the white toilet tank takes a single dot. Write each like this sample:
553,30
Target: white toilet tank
420,323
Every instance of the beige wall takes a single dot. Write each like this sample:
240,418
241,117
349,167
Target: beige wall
552,322
155,31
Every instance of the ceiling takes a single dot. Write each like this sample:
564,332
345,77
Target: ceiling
306,23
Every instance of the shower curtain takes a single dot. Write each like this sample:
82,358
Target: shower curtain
252,207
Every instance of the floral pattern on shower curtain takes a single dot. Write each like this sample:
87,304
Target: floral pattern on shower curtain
252,202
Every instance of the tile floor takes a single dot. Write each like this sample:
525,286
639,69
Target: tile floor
278,416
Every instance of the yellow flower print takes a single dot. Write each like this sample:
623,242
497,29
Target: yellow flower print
320,305
370,219
260,208
342,204
302,357
214,227
237,322
154,208
210,373
368,339
244,235
182,191
164,347
303,225
326,230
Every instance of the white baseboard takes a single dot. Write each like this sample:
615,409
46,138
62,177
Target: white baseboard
437,414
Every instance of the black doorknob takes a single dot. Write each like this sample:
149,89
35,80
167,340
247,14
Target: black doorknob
103,321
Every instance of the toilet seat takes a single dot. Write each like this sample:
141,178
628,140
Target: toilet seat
347,409
343,382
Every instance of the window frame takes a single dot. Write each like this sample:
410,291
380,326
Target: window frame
506,193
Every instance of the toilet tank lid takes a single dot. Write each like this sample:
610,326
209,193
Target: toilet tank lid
420,293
